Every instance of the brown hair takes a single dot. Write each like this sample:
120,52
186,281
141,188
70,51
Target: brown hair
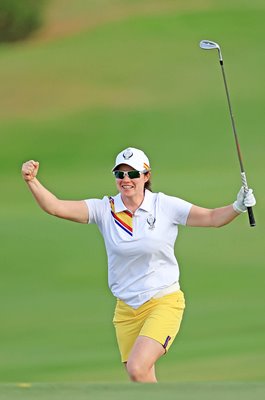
148,184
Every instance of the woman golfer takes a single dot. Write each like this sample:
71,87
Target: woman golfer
139,229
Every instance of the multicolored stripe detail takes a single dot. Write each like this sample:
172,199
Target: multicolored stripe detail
166,342
123,219
146,166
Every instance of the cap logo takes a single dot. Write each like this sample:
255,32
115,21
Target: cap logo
127,154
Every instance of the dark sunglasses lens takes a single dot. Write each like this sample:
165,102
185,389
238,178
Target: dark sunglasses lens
134,174
119,174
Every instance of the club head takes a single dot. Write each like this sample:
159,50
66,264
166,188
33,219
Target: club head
210,45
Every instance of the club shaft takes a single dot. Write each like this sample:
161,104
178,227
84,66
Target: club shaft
243,174
232,120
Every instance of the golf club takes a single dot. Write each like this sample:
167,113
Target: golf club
209,45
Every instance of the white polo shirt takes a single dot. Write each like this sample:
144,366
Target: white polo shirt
140,247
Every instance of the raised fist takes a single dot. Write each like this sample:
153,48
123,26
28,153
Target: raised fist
29,170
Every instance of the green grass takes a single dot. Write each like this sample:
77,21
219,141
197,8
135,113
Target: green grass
72,103
185,391
188,391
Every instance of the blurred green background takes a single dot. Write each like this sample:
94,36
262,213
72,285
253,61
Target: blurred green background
99,76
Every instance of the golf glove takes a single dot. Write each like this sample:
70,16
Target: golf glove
244,200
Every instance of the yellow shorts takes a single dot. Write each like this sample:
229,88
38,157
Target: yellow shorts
158,319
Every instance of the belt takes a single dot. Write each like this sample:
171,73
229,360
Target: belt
170,289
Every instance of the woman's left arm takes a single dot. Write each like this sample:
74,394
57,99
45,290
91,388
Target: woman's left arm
217,217
206,217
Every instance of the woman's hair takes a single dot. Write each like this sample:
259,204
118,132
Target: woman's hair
148,184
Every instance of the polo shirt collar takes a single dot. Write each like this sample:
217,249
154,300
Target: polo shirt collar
146,204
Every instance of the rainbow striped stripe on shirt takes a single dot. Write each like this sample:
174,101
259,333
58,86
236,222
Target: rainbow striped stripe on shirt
123,219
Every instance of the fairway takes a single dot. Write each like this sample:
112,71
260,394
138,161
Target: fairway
183,391
101,76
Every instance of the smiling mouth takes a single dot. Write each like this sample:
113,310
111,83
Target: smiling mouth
127,187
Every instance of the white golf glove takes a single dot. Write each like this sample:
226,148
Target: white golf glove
244,200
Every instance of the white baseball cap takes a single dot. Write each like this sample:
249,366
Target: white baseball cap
135,158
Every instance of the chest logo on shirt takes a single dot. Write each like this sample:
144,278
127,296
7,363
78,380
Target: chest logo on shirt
123,219
151,221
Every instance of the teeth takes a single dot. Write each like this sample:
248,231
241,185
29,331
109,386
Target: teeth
127,187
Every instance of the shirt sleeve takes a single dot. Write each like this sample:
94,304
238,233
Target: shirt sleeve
176,209
97,208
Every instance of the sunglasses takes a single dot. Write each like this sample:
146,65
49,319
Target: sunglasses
131,174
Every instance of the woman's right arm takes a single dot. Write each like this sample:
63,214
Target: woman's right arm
76,211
